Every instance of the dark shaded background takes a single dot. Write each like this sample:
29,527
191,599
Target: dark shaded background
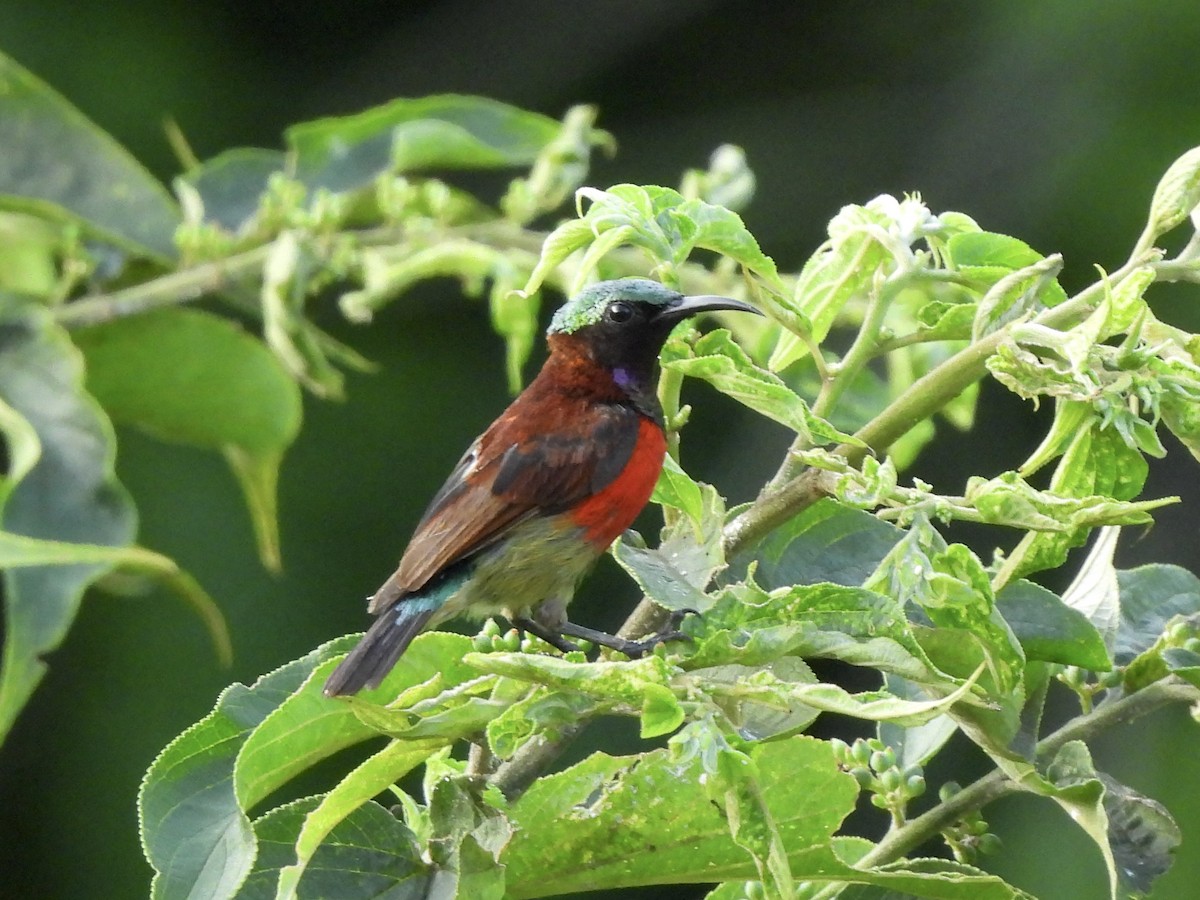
1047,119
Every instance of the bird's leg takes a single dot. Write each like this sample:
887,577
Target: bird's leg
553,637
632,648
549,622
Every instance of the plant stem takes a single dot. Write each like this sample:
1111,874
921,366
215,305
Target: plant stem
172,289
516,774
902,841
923,397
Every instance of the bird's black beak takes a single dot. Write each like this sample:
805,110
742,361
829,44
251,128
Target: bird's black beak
689,306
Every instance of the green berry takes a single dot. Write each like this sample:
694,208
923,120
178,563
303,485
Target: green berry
891,780
863,776
883,759
861,753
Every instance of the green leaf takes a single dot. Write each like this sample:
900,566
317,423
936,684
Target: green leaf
1159,611
566,839
56,164
659,221
734,782
469,831
827,542
1096,464
1177,194
515,318
194,378
1050,630
941,878
842,269
343,804
676,489
1142,834
914,745
66,492
1150,597
639,684
947,321
590,827
560,168
760,717
668,574
873,706
231,184
727,182
690,553
1093,591
715,358
287,276
751,627
439,132
369,854
1076,787
195,833
723,231
387,274
1009,500
987,248
1019,294
18,551
308,727
29,249
542,711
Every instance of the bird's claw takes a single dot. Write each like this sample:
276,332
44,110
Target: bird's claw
669,632
631,648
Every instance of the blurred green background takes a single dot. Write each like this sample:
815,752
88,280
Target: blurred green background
1047,119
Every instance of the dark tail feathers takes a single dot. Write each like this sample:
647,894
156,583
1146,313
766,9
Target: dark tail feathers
386,639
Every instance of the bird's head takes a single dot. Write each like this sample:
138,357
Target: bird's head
623,324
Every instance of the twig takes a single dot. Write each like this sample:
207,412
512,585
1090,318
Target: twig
904,840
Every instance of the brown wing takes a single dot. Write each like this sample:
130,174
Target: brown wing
507,476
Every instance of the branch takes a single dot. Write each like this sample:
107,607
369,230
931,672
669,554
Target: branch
191,283
172,289
909,837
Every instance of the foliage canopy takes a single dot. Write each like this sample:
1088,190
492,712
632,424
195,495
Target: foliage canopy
890,324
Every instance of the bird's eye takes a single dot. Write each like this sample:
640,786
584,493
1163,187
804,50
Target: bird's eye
619,312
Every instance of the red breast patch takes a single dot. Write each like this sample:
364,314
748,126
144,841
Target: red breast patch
605,515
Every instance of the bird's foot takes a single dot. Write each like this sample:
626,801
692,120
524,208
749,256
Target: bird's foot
632,648
552,637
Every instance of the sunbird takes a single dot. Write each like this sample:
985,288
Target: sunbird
542,493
